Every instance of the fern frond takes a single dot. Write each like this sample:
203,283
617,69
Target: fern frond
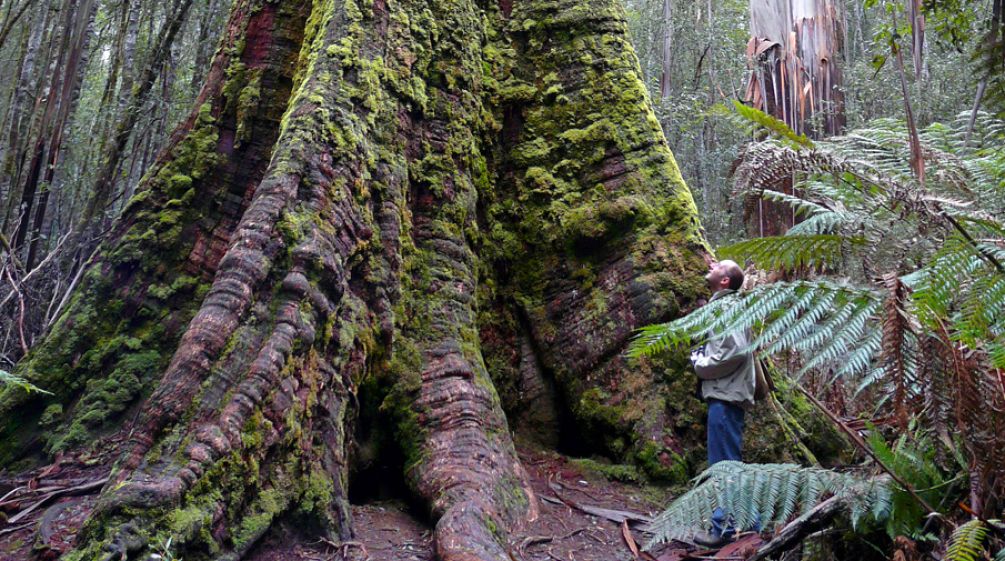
859,360
792,252
967,542
824,223
8,379
763,307
771,124
845,338
771,493
799,205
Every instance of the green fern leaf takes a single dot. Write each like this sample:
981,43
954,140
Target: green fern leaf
6,378
773,125
967,542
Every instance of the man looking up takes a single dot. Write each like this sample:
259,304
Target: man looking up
726,370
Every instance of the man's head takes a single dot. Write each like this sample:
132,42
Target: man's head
723,275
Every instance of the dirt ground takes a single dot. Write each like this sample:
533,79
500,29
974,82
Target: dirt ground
583,516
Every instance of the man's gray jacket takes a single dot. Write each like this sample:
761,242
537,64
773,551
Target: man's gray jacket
725,366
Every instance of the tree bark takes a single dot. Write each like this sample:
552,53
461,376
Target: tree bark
371,206
795,53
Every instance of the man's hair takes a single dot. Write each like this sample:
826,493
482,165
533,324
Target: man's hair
734,273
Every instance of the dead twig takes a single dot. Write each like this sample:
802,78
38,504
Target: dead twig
4,498
13,529
69,291
41,265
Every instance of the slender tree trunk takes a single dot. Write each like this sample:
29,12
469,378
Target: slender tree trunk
69,96
374,204
203,43
667,59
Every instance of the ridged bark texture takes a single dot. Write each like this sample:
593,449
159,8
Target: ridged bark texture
461,201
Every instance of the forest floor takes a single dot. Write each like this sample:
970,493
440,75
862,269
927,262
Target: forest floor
583,516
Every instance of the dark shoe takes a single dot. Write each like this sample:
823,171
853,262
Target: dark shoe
710,540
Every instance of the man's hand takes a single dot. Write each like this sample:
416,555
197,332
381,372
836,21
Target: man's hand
697,353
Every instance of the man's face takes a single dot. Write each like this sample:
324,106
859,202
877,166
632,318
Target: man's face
715,277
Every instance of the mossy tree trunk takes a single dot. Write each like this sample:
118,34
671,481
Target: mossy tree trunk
398,219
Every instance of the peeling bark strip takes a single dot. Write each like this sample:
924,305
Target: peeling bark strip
441,168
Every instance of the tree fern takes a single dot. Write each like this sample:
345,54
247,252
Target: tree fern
903,287
769,493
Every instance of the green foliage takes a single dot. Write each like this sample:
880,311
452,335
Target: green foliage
913,458
865,215
758,121
8,379
771,493
792,252
967,542
162,551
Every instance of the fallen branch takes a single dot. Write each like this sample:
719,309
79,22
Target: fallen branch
617,516
13,529
864,447
77,490
797,530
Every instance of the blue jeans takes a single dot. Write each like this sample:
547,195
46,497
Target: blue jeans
725,442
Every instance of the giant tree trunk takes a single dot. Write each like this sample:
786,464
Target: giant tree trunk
397,213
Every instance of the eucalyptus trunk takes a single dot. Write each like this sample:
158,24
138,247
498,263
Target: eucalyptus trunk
795,53
397,219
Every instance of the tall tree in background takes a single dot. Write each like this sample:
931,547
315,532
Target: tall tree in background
667,58
369,208
794,51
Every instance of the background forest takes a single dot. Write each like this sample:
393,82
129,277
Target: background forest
887,265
